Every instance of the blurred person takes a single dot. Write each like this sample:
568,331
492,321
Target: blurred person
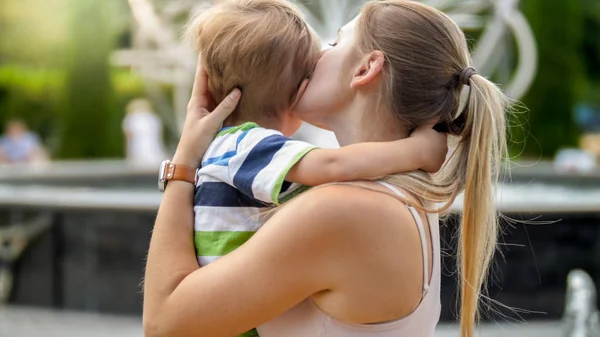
19,145
143,134
587,118
575,160
352,260
591,143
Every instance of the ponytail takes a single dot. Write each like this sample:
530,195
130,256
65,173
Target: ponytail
426,71
473,168
477,164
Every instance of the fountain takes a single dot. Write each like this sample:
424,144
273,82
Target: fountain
581,318
159,56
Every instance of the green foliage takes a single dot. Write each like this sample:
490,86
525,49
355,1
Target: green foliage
87,130
31,94
54,73
37,96
558,28
591,51
93,103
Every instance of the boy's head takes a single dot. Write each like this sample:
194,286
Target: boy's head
263,47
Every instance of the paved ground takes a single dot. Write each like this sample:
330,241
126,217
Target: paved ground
26,322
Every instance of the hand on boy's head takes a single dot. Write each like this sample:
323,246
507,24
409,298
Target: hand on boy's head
432,145
202,121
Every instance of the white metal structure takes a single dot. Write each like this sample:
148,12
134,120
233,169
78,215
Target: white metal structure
160,56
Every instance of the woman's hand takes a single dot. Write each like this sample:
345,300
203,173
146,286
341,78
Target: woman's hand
201,125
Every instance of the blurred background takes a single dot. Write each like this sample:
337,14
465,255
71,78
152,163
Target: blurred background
92,98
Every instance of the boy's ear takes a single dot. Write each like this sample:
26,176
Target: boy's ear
369,69
300,93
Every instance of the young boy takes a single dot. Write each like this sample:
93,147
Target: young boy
265,48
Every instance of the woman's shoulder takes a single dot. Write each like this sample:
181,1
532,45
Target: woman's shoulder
349,205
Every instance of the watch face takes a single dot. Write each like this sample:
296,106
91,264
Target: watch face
162,182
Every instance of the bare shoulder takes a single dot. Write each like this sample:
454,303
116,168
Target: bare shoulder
341,208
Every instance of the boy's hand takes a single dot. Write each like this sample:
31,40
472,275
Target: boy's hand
432,147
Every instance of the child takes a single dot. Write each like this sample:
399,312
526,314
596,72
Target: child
265,48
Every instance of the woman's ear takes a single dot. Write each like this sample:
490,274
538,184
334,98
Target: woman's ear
369,69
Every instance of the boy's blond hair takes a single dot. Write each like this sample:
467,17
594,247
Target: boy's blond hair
263,47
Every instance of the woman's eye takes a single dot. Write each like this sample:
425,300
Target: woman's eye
333,44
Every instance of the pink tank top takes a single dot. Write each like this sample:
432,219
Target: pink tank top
308,320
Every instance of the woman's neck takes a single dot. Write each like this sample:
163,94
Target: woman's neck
363,122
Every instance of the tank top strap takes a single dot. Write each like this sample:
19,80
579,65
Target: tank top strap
422,233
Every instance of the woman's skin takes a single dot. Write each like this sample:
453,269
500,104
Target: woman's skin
355,252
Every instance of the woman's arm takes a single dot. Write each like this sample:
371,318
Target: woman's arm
262,279
307,247
171,256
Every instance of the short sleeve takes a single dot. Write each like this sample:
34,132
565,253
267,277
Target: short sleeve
257,160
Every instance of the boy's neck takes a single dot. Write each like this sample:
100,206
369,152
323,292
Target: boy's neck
267,123
285,122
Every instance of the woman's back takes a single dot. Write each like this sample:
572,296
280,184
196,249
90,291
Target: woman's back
384,295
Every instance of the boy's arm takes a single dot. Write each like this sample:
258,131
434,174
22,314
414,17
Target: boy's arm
265,160
357,162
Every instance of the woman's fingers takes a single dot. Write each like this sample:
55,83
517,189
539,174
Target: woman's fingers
221,112
200,94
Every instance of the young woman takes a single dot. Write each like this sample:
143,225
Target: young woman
347,260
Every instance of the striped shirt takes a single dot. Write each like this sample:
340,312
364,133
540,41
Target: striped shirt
243,171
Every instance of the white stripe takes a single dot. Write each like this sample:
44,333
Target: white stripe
265,180
221,145
217,173
206,260
227,219
253,137
204,178
213,173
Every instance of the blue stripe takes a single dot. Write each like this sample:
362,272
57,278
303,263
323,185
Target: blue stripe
218,194
220,161
258,158
241,137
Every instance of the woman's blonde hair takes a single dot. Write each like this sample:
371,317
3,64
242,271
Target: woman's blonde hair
425,55
263,47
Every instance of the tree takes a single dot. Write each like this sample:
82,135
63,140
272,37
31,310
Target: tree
90,127
558,27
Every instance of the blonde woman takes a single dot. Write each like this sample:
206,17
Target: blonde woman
356,260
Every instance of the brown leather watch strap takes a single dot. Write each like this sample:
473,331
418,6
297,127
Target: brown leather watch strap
180,172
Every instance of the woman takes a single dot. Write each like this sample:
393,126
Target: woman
347,260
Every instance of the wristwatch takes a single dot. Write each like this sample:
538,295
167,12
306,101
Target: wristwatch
171,171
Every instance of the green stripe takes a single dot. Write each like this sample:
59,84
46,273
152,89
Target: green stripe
251,333
279,183
243,127
219,243
299,190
